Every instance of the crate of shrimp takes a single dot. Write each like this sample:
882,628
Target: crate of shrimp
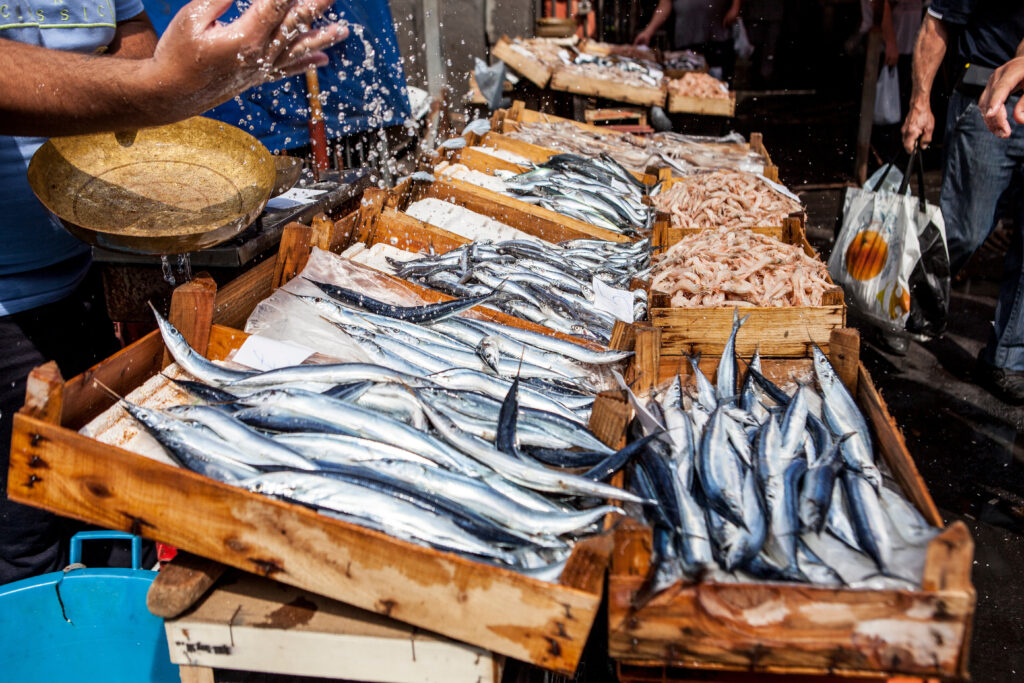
727,199
698,285
792,533
364,438
699,93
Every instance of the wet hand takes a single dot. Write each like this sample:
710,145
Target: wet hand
642,38
992,103
210,62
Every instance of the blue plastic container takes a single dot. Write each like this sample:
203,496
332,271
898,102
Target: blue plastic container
87,625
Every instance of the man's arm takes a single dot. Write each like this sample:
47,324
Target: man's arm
1001,83
929,51
892,50
135,38
197,64
661,14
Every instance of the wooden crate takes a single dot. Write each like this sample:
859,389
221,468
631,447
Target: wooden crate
567,79
797,629
544,223
504,121
709,106
531,68
776,331
54,467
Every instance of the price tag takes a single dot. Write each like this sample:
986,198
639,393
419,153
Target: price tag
297,196
264,353
617,302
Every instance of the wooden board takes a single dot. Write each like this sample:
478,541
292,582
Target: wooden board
253,624
530,67
797,629
708,106
567,79
518,113
58,469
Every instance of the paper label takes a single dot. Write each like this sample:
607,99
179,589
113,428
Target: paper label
264,353
297,196
617,302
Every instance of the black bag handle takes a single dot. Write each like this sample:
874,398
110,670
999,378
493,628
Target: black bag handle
915,156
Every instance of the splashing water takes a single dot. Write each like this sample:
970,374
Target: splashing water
178,273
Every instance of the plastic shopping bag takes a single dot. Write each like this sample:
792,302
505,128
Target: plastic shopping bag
741,40
890,258
887,97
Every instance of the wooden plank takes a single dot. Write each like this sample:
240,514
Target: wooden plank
296,243
533,69
483,162
195,674
500,610
404,232
370,207
44,393
518,113
785,331
893,448
844,354
253,624
539,155
567,79
236,300
547,225
192,312
707,106
323,231
344,230
609,416
181,583
646,360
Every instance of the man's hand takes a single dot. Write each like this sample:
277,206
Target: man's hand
919,126
732,14
206,63
892,51
992,104
642,38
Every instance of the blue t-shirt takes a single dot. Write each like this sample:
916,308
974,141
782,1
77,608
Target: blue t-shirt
39,261
992,29
362,88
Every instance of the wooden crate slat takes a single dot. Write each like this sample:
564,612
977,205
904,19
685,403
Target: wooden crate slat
708,106
531,68
780,331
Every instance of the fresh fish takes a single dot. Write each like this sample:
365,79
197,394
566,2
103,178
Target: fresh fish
375,509
192,362
868,518
720,472
487,350
843,416
725,386
244,438
410,313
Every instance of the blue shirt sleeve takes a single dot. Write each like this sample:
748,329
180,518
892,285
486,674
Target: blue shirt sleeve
952,11
126,9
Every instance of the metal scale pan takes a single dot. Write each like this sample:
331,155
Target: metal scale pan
166,190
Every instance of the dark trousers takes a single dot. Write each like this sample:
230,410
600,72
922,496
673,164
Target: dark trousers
76,333
982,182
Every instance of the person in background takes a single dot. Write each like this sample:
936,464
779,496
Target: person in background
763,19
53,83
704,26
1007,79
981,178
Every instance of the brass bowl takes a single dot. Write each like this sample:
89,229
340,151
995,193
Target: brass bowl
289,170
166,190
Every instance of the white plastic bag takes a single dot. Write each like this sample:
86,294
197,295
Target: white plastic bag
887,97
740,40
875,254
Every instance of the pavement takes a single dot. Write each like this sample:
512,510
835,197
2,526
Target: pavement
968,445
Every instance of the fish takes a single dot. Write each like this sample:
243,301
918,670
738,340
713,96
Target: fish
409,313
477,127
191,361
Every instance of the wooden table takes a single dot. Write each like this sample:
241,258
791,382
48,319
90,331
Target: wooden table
248,623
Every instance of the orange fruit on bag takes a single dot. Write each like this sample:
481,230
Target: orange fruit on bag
866,255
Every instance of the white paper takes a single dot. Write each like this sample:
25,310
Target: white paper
264,353
297,196
617,302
